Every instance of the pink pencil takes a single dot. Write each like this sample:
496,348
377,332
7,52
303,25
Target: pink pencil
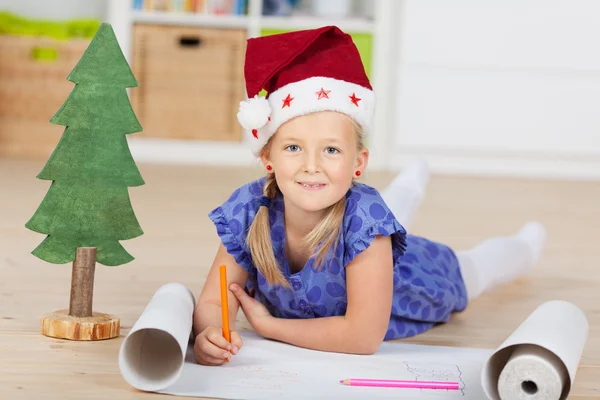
401,384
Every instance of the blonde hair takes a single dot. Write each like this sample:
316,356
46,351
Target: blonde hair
327,231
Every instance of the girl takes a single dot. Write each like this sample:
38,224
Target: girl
315,258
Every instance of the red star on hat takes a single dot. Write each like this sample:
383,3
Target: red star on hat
354,99
323,94
287,101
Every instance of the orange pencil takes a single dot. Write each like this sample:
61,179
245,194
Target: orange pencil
224,303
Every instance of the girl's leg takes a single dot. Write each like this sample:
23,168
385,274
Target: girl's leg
405,193
501,259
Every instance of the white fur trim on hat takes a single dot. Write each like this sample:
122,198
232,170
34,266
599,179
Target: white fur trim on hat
307,96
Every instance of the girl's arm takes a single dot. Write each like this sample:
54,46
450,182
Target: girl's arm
208,309
369,282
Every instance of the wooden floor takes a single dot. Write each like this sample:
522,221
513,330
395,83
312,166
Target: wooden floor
179,244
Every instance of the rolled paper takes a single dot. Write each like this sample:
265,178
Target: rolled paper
539,360
153,354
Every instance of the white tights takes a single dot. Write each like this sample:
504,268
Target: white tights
494,261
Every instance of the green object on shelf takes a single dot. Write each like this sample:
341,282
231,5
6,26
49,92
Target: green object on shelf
44,54
91,168
12,24
363,42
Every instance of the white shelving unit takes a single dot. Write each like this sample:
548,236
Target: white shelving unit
382,28
355,25
187,19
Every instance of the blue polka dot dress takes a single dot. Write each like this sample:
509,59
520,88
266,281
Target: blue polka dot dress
428,286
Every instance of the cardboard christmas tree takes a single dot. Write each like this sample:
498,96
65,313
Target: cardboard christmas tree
87,209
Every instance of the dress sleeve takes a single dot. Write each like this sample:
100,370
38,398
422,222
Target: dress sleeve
232,220
367,215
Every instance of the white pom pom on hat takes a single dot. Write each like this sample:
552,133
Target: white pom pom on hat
254,113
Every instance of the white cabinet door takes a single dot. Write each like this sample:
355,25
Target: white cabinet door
506,82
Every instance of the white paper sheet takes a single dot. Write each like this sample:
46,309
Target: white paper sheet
156,356
271,370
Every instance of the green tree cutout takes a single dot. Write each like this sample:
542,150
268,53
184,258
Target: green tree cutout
88,203
91,168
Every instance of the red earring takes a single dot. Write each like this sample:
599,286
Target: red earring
357,173
269,168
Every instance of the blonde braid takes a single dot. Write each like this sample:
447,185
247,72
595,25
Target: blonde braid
260,243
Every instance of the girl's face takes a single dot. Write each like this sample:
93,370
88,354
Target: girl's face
314,158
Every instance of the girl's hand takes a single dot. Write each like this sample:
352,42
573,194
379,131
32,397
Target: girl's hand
211,348
256,313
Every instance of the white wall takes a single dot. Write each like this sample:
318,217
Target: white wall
503,87
56,9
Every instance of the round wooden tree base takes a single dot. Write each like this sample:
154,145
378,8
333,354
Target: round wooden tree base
60,324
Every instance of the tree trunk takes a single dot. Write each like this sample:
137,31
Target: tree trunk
82,282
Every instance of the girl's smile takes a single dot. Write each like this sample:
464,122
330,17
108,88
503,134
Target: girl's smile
312,186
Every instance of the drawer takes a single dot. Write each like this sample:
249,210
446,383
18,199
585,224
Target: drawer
33,87
27,57
191,81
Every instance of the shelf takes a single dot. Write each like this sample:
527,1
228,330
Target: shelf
192,152
353,25
188,19
350,25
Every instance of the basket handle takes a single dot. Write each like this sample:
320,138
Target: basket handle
190,41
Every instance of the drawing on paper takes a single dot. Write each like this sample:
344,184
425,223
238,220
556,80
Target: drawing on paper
436,372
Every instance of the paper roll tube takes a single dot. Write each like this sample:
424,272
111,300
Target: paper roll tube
152,355
558,328
532,373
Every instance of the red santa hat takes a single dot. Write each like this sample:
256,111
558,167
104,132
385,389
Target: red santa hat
302,72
